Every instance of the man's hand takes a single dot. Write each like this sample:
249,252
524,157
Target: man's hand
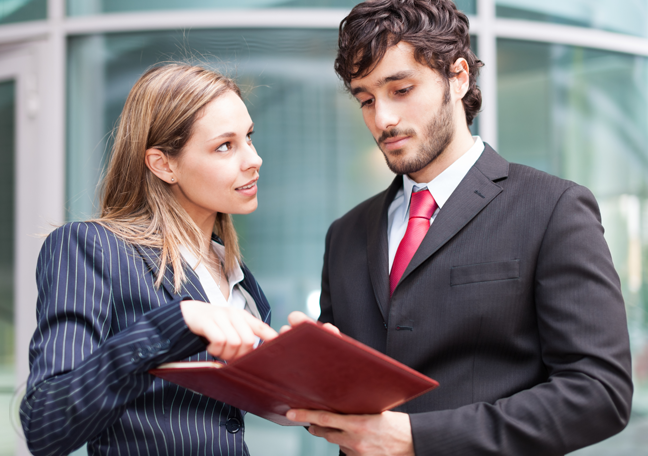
296,318
230,331
389,433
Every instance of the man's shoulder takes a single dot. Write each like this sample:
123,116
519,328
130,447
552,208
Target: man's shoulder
527,178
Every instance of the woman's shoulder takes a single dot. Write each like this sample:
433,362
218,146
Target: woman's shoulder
80,233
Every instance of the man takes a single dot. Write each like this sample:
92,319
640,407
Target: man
506,293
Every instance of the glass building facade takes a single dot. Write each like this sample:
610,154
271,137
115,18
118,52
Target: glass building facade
565,90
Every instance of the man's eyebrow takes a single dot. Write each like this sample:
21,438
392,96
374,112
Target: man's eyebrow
394,77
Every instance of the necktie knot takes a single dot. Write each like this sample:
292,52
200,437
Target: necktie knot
422,205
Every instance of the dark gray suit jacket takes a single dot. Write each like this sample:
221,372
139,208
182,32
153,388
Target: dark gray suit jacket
511,302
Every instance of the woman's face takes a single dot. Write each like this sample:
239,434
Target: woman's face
218,169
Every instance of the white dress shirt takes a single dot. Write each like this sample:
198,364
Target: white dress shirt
214,294
441,187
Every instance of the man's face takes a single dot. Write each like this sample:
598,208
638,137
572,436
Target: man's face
408,109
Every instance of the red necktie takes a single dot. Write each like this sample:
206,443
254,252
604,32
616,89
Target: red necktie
422,207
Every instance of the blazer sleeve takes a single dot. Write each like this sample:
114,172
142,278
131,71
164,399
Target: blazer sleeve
82,374
584,346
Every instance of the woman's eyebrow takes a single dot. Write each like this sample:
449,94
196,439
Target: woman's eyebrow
229,134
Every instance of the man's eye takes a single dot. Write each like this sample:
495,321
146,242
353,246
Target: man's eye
366,103
404,91
224,147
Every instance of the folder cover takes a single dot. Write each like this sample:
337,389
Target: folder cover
307,367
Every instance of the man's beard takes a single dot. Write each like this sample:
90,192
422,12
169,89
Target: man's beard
437,136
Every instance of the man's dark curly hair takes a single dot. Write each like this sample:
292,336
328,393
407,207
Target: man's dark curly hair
438,32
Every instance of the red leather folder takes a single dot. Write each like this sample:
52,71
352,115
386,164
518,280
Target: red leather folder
307,367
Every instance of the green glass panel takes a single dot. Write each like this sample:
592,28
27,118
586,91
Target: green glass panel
22,10
583,114
88,7
7,346
467,6
621,16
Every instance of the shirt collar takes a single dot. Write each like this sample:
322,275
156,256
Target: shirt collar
442,186
235,277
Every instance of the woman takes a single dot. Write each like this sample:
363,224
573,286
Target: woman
156,278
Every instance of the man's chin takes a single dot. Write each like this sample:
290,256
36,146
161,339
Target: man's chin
400,165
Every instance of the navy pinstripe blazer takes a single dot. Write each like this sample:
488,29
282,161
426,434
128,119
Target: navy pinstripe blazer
102,325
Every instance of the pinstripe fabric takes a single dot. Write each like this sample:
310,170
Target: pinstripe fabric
101,325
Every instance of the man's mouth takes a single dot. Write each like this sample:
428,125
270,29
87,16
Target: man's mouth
395,143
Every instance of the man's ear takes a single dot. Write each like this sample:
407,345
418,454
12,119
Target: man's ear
461,82
158,163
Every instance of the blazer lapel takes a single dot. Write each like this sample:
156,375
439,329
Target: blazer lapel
474,193
191,289
377,245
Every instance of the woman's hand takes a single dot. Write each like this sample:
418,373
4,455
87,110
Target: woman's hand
230,331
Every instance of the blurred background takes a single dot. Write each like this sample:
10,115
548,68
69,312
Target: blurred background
565,90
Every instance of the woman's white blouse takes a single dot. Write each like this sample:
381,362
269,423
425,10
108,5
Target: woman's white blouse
214,294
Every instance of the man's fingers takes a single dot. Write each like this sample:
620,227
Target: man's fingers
317,417
296,318
331,328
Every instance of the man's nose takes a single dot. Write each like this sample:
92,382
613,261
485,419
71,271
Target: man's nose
386,117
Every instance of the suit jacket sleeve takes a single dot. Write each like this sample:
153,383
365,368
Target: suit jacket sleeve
82,374
584,346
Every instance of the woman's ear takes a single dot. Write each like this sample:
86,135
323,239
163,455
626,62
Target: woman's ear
158,163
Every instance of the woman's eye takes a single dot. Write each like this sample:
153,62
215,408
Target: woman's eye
249,136
224,147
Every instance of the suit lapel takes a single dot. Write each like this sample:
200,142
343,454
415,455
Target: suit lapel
377,245
473,194
191,289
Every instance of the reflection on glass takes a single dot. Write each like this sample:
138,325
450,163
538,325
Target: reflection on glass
622,16
7,362
582,114
89,7
22,10
85,7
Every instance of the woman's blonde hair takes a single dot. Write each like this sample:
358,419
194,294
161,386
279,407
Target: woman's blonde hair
160,112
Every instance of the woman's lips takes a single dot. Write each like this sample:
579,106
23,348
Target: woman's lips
249,189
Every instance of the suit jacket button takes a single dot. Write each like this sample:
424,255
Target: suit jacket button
233,425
